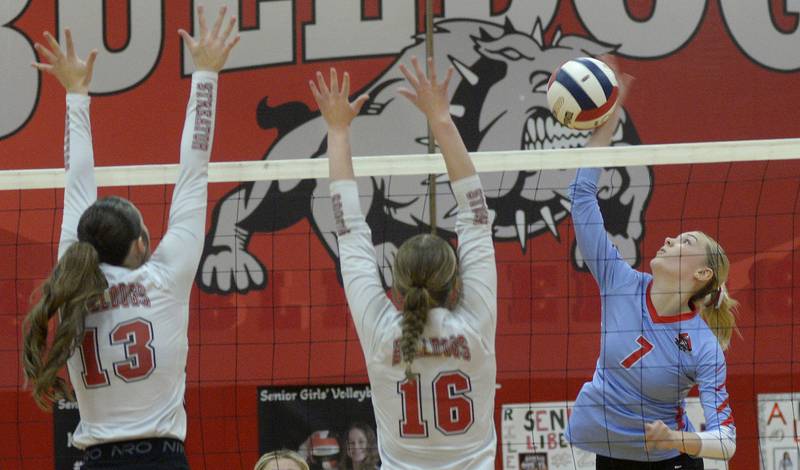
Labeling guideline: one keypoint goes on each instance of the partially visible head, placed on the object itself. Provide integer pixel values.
(323, 450)
(362, 447)
(684, 259)
(425, 274)
(281, 460)
(114, 227)
(699, 267)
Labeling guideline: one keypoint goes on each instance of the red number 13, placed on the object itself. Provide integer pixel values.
(140, 358)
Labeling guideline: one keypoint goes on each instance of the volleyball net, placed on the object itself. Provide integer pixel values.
(274, 360)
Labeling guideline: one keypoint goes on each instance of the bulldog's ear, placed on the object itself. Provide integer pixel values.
(284, 117)
(587, 46)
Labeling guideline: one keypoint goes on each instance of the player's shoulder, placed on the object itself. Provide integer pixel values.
(705, 343)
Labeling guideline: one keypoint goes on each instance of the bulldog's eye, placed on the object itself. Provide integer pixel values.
(510, 54)
(539, 81)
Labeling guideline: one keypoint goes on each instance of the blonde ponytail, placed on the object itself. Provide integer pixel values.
(721, 319)
(718, 308)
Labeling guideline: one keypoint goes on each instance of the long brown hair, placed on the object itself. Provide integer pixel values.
(718, 309)
(425, 276)
(105, 233)
(372, 459)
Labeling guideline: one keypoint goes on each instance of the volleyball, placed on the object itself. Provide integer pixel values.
(582, 93)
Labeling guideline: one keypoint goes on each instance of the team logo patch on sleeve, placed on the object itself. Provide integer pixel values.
(684, 342)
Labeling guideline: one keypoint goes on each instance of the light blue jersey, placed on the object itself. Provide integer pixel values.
(647, 363)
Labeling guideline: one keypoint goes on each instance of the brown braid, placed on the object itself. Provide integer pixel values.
(425, 276)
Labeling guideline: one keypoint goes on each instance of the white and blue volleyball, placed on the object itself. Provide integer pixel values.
(583, 93)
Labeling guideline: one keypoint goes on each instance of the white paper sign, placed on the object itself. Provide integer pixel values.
(778, 428)
(533, 436)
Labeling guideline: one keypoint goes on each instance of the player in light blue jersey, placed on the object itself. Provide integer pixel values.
(661, 334)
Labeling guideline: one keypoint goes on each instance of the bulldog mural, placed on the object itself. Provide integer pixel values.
(498, 103)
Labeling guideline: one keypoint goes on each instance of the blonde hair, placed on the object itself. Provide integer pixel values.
(281, 454)
(425, 276)
(718, 309)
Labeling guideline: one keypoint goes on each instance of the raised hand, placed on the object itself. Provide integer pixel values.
(624, 80)
(334, 102)
(210, 51)
(73, 73)
(602, 136)
(429, 95)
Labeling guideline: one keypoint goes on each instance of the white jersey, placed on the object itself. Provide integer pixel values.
(129, 374)
(444, 419)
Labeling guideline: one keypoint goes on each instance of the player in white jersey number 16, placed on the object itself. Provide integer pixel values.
(431, 361)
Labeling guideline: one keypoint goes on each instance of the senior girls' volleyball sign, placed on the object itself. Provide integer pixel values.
(269, 308)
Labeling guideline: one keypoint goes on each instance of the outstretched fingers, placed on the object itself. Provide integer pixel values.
(70, 44)
(90, 64)
(201, 14)
(411, 79)
(55, 48)
(231, 44)
(323, 87)
(229, 28)
(410, 95)
(431, 70)
(51, 58)
(334, 81)
(314, 91)
(188, 39)
(421, 78)
(218, 22)
(448, 77)
(359, 103)
(42, 67)
(346, 85)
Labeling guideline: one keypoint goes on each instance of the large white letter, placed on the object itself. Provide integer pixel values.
(115, 70)
(750, 23)
(522, 13)
(671, 25)
(340, 30)
(269, 43)
(19, 82)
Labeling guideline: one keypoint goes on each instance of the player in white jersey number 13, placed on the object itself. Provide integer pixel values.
(431, 363)
(121, 314)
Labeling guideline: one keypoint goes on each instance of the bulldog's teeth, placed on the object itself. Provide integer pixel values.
(547, 216)
(522, 228)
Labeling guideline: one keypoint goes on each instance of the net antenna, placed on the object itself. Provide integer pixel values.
(431, 140)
